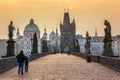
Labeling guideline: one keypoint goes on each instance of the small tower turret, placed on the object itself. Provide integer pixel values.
(18, 33)
(45, 35)
(96, 34)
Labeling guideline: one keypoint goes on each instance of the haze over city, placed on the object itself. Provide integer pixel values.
(89, 14)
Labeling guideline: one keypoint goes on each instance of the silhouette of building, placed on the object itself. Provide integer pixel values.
(54, 42)
(25, 42)
(68, 33)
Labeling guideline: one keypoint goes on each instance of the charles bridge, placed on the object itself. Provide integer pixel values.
(73, 66)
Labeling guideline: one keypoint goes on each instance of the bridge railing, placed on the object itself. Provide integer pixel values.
(111, 62)
(10, 62)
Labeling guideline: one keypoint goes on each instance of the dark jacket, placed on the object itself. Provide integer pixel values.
(26, 59)
(20, 58)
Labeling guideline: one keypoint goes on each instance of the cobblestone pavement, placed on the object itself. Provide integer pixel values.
(62, 67)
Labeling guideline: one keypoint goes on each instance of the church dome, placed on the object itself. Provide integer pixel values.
(31, 27)
(52, 33)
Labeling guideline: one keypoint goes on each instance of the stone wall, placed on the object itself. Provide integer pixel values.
(10, 62)
(111, 62)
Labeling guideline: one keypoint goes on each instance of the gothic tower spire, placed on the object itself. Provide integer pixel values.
(18, 33)
(96, 34)
(66, 18)
(56, 32)
(68, 33)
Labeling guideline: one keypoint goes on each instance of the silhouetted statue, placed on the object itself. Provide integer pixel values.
(35, 44)
(107, 30)
(87, 45)
(10, 42)
(11, 29)
(108, 40)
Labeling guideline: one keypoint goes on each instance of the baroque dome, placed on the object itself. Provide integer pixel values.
(31, 27)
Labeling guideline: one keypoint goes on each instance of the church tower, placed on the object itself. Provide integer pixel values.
(44, 35)
(18, 33)
(68, 33)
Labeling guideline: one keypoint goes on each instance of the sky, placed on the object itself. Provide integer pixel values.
(89, 15)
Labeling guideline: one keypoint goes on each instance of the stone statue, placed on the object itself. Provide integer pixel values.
(10, 42)
(11, 29)
(88, 38)
(87, 45)
(107, 24)
(107, 40)
(107, 30)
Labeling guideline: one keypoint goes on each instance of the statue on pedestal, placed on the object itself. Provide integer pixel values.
(10, 42)
(87, 45)
(108, 40)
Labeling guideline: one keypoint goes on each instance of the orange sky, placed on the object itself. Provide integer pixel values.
(89, 14)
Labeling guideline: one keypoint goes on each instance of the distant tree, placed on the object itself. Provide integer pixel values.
(35, 44)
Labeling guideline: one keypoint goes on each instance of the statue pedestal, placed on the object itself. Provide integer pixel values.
(10, 48)
(108, 53)
(87, 48)
(108, 48)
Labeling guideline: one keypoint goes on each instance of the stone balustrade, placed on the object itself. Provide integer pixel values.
(10, 62)
(111, 62)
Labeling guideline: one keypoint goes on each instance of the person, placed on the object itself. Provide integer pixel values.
(26, 61)
(20, 59)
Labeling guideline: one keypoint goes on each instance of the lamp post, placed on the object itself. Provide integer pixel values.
(31, 45)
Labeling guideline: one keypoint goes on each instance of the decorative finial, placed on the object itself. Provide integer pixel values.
(56, 29)
(45, 28)
(31, 21)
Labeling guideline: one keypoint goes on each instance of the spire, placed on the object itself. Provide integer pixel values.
(73, 20)
(56, 32)
(96, 34)
(18, 33)
(60, 23)
(66, 18)
(45, 31)
(31, 21)
(45, 34)
(45, 28)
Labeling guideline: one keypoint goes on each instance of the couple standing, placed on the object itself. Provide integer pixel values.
(21, 59)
